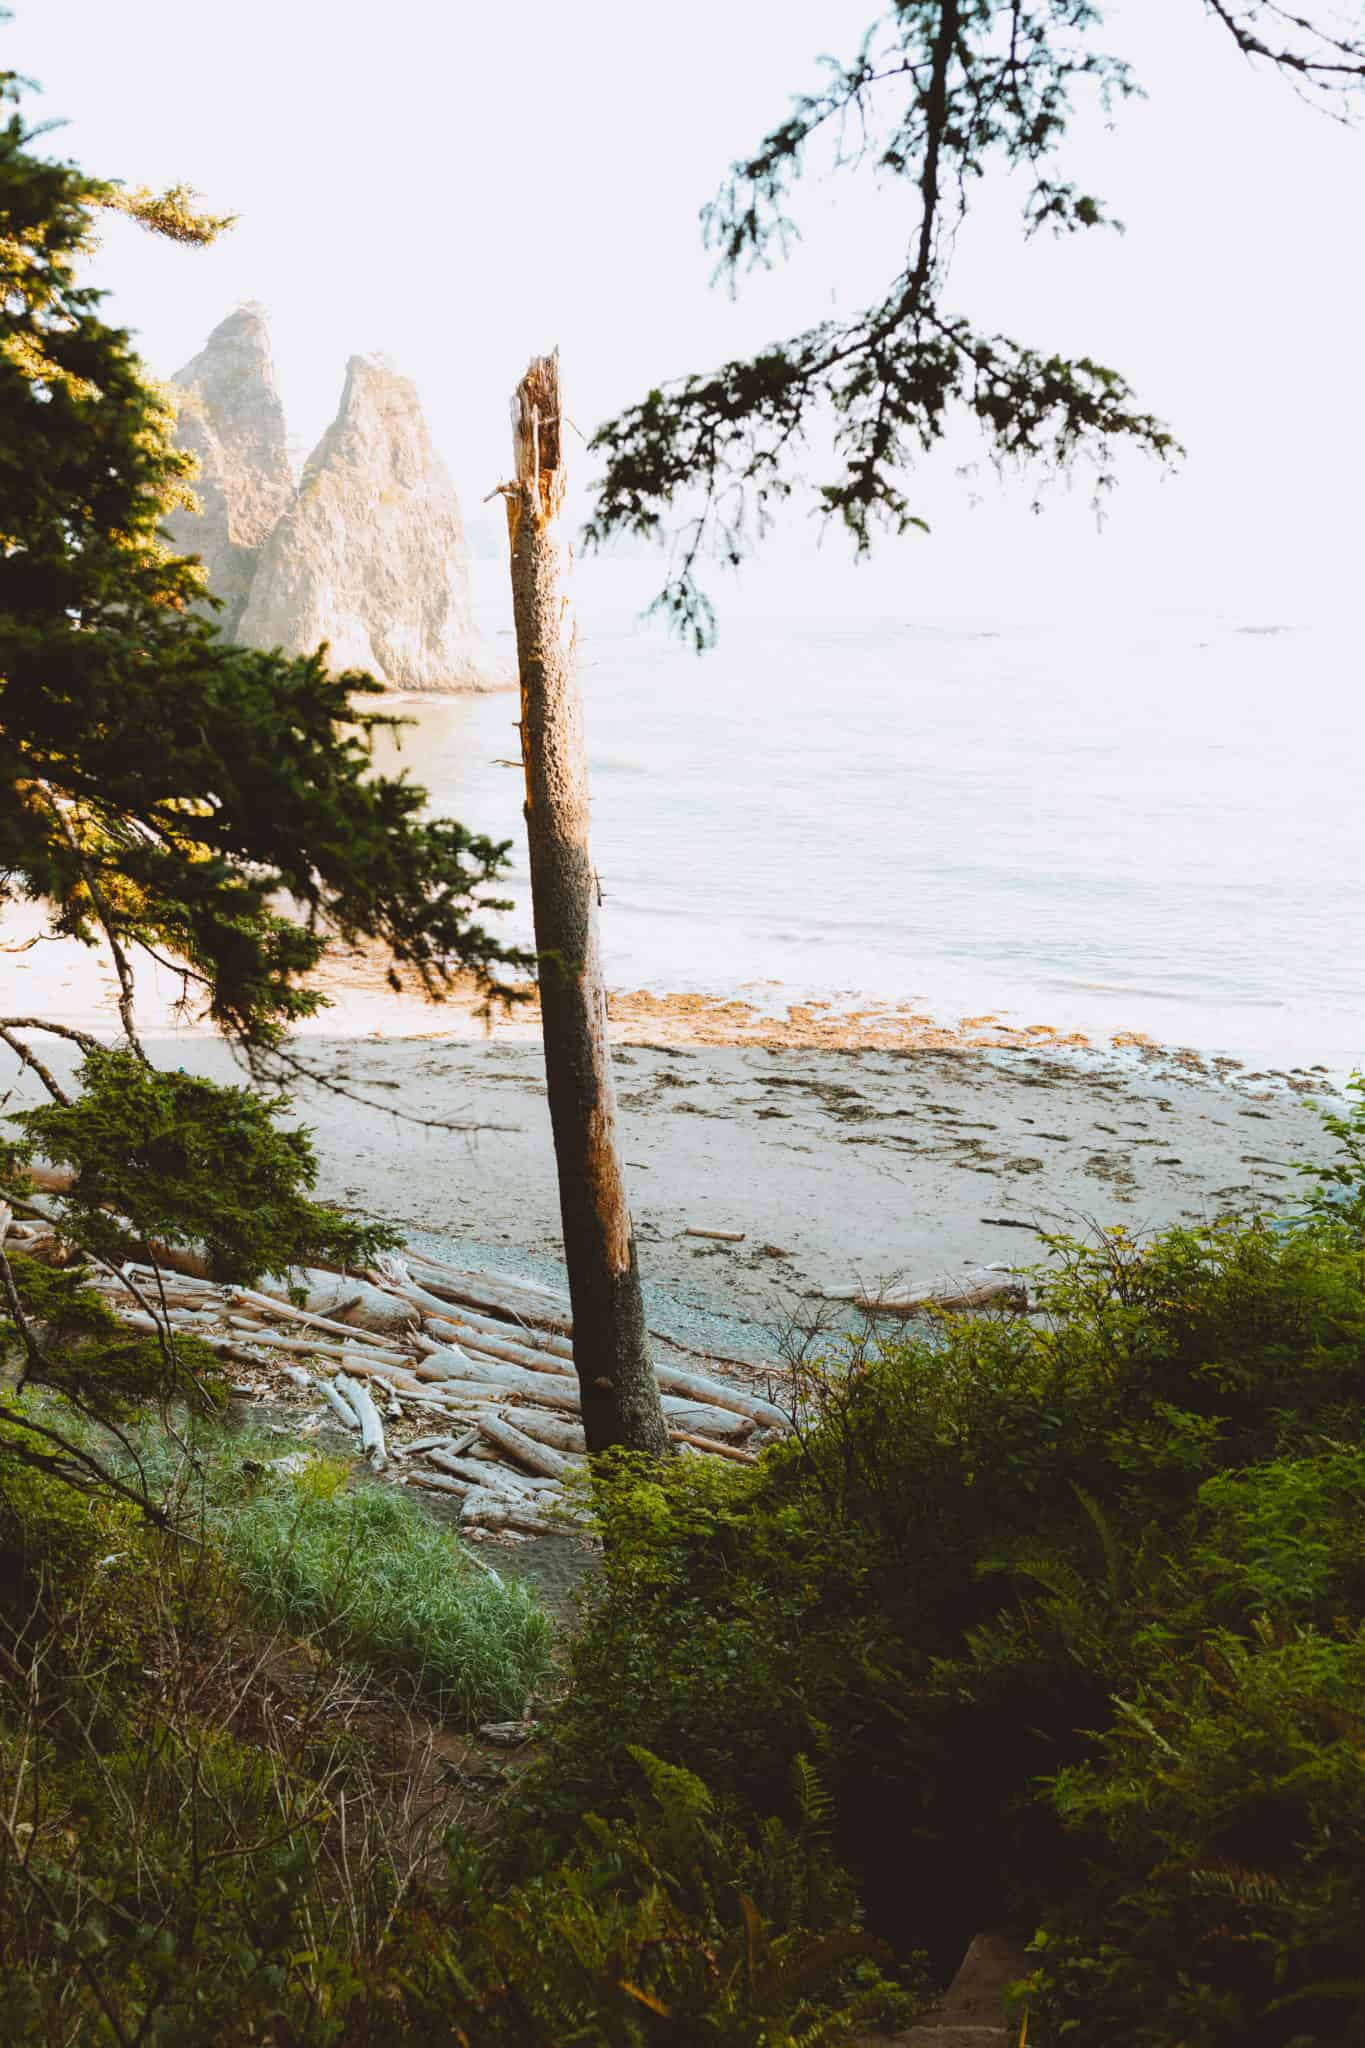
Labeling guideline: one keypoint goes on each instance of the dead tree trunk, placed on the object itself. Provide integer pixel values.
(620, 1399)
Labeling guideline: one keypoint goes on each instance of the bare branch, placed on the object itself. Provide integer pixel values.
(29, 1058)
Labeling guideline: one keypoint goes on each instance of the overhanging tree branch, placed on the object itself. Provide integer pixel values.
(944, 92)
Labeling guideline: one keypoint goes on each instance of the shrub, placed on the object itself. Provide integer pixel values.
(675, 1922)
(197, 1848)
(981, 1562)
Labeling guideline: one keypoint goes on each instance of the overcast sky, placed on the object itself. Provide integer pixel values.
(459, 185)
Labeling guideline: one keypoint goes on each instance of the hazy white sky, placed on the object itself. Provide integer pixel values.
(459, 185)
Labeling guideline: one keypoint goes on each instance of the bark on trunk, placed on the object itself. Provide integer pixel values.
(620, 1400)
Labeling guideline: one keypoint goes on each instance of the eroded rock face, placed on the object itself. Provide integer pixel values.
(370, 557)
(229, 416)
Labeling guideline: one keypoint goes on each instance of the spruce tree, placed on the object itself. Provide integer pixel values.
(167, 796)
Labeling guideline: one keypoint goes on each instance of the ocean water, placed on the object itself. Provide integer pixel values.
(1151, 823)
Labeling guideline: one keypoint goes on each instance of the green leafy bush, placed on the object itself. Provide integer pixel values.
(674, 1922)
(1338, 1190)
(197, 1848)
(981, 1561)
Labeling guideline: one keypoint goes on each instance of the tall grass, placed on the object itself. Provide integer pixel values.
(358, 1565)
(364, 1567)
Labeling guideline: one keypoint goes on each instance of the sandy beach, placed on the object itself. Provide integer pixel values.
(847, 1144)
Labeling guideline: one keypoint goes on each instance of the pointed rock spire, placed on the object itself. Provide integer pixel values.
(229, 416)
(371, 555)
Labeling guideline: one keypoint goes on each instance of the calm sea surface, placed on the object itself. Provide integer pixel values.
(1152, 824)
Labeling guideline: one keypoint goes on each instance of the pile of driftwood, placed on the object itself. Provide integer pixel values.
(480, 1362)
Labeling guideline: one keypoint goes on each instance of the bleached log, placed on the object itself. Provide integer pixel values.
(556, 1296)
(456, 1408)
(371, 1428)
(470, 1321)
(340, 1407)
(183, 1259)
(52, 1180)
(542, 1389)
(498, 1478)
(387, 1375)
(327, 1347)
(721, 1236)
(710, 1445)
(993, 1290)
(558, 1431)
(346, 1299)
(714, 1393)
(408, 1291)
(292, 1313)
(506, 1437)
(457, 1445)
(496, 1347)
(445, 1362)
(696, 1416)
(485, 1509)
(496, 1372)
(439, 1482)
(547, 1390)
(468, 1469)
(477, 1291)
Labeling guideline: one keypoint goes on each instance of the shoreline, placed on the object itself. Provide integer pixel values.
(72, 984)
(881, 1154)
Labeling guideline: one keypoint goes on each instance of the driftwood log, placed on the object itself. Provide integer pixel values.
(338, 1404)
(371, 1428)
(523, 1450)
(952, 1296)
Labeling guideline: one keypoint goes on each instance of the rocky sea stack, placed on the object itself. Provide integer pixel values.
(229, 417)
(367, 554)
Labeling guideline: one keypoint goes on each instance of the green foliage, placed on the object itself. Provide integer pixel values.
(86, 1352)
(990, 1583)
(167, 795)
(359, 1567)
(673, 1923)
(941, 94)
(371, 1574)
(162, 1877)
(1057, 1625)
(185, 1161)
(80, 1373)
(1338, 1193)
(1223, 1822)
(196, 1847)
